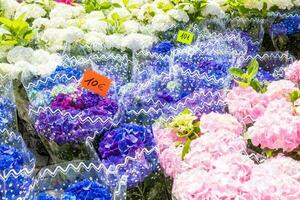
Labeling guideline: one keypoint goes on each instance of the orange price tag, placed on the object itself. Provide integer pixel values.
(95, 82)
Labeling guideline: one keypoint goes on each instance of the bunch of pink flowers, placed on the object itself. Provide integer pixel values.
(217, 167)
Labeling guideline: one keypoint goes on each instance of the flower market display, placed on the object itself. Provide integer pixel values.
(149, 99)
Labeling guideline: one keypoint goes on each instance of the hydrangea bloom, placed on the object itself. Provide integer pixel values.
(214, 122)
(280, 89)
(62, 128)
(7, 113)
(12, 159)
(129, 140)
(292, 73)
(246, 104)
(82, 190)
(277, 131)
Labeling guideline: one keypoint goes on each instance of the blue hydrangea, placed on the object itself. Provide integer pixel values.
(7, 113)
(288, 26)
(164, 47)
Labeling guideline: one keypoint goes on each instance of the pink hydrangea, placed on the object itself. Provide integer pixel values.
(279, 89)
(292, 72)
(274, 179)
(246, 104)
(278, 128)
(216, 144)
(281, 165)
(214, 122)
(225, 181)
(164, 137)
(170, 161)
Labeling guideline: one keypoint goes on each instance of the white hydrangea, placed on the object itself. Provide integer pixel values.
(72, 34)
(179, 15)
(30, 11)
(113, 41)
(95, 40)
(131, 26)
(254, 4)
(9, 7)
(19, 53)
(61, 11)
(297, 2)
(52, 35)
(44, 62)
(213, 8)
(41, 23)
(281, 4)
(137, 41)
(122, 12)
(162, 22)
(11, 70)
(144, 12)
(95, 24)
(57, 22)
(95, 14)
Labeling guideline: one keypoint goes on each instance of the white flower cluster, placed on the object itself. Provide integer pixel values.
(22, 59)
(141, 20)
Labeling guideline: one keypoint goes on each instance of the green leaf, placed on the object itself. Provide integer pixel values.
(236, 72)
(132, 6)
(257, 86)
(7, 22)
(116, 5)
(186, 148)
(115, 16)
(105, 5)
(109, 21)
(125, 2)
(252, 69)
(294, 96)
(242, 84)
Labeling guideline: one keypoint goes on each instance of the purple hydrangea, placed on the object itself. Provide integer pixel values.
(127, 141)
(81, 115)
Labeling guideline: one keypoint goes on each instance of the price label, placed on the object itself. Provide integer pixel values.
(95, 82)
(185, 37)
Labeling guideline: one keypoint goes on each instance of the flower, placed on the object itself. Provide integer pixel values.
(277, 131)
(69, 2)
(214, 122)
(280, 89)
(78, 117)
(88, 190)
(81, 190)
(30, 11)
(178, 15)
(12, 159)
(7, 113)
(292, 72)
(224, 181)
(162, 47)
(246, 104)
(123, 146)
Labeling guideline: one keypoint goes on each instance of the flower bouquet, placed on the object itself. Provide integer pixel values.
(251, 30)
(130, 149)
(149, 63)
(268, 133)
(271, 65)
(65, 115)
(115, 66)
(7, 104)
(284, 32)
(79, 180)
(16, 168)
